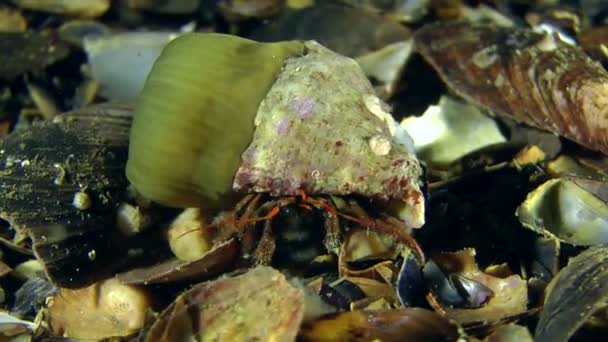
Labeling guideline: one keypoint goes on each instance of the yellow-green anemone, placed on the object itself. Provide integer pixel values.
(194, 116)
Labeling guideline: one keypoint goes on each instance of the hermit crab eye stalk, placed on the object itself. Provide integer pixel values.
(195, 116)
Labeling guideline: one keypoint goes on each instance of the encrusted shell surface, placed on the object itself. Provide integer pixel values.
(321, 130)
(534, 78)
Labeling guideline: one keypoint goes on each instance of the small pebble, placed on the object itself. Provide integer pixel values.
(81, 200)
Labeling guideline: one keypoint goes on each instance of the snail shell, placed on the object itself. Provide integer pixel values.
(220, 114)
(534, 78)
(195, 116)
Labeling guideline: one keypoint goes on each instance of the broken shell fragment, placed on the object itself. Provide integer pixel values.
(510, 333)
(102, 310)
(449, 130)
(573, 210)
(410, 285)
(410, 324)
(13, 328)
(532, 77)
(386, 65)
(221, 258)
(75, 31)
(220, 310)
(32, 295)
(489, 298)
(324, 98)
(166, 164)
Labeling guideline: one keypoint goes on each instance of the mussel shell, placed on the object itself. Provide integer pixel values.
(564, 209)
(341, 294)
(439, 283)
(480, 298)
(29, 52)
(476, 293)
(45, 167)
(534, 78)
(578, 291)
(410, 282)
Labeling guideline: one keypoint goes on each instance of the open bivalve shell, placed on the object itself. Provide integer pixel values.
(571, 209)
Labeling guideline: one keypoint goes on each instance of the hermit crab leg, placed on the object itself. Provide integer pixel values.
(332, 233)
(243, 203)
(248, 202)
(274, 211)
(266, 246)
(399, 232)
(251, 217)
(247, 236)
(244, 220)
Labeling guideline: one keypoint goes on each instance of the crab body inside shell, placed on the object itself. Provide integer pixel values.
(253, 222)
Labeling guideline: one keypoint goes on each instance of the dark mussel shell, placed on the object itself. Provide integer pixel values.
(577, 292)
(532, 77)
(62, 182)
(455, 290)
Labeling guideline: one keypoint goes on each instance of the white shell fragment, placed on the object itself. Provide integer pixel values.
(449, 130)
(121, 63)
(322, 130)
(385, 65)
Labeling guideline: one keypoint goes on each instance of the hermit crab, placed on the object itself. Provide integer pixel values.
(276, 124)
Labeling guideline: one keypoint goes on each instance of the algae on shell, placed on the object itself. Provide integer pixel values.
(321, 130)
